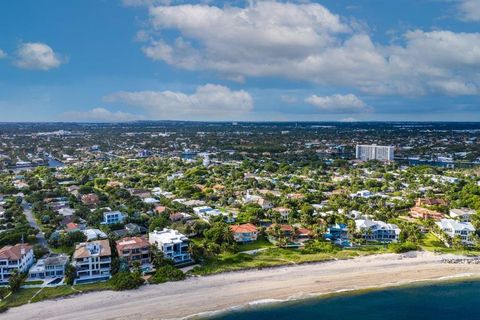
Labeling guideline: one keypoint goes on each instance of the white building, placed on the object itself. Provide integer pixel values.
(206, 213)
(92, 261)
(454, 228)
(199, 211)
(52, 266)
(374, 152)
(112, 217)
(262, 202)
(94, 234)
(362, 194)
(18, 257)
(172, 243)
(377, 230)
(462, 214)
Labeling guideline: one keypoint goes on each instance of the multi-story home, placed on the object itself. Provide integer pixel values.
(18, 257)
(374, 152)
(112, 217)
(262, 202)
(52, 266)
(201, 211)
(92, 261)
(423, 213)
(284, 212)
(462, 214)
(134, 249)
(172, 243)
(244, 232)
(377, 230)
(452, 228)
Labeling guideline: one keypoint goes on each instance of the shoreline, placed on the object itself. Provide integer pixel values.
(201, 297)
(339, 293)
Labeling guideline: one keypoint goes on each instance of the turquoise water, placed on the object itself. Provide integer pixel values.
(454, 300)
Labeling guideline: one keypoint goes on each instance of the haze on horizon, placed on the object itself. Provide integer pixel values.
(332, 60)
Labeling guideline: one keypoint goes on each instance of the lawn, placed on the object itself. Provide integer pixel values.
(33, 282)
(431, 243)
(262, 242)
(271, 257)
(30, 295)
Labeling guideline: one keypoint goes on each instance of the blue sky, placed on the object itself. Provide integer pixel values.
(114, 60)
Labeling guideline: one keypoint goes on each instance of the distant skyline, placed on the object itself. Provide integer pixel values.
(333, 60)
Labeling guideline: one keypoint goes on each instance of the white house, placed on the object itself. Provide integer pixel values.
(462, 214)
(18, 257)
(262, 202)
(377, 230)
(92, 261)
(52, 266)
(112, 217)
(454, 228)
(172, 243)
(94, 234)
(200, 211)
(362, 194)
(206, 213)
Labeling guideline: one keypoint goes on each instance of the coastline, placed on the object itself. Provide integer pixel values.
(340, 293)
(200, 297)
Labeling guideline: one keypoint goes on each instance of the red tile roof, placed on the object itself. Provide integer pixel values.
(243, 228)
(14, 252)
(130, 243)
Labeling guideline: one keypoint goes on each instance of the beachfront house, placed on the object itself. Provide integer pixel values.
(134, 249)
(377, 230)
(337, 232)
(92, 261)
(18, 257)
(452, 228)
(172, 243)
(51, 266)
(244, 232)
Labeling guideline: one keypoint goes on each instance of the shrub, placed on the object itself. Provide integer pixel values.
(402, 247)
(126, 281)
(320, 247)
(167, 273)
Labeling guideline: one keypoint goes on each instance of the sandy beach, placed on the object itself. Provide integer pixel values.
(197, 295)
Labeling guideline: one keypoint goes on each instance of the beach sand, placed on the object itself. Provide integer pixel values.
(197, 295)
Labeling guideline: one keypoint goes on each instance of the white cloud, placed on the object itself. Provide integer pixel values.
(37, 56)
(338, 103)
(3, 54)
(208, 102)
(100, 115)
(469, 10)
(145, 3)
(305, 41)
(348, 119)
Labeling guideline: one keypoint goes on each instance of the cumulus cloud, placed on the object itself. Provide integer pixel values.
(469, 10)
(207, 102)
(338, 103)
(100, 115)
(3, 54)
(37, 56)
(307, 42)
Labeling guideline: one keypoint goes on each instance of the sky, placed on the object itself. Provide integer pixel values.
(332, 60)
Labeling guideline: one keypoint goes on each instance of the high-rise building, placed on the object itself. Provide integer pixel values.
(374, 152)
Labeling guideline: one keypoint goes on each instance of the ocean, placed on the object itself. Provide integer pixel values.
(438, 301)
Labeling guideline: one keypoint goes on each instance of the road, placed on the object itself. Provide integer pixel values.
(33, 223)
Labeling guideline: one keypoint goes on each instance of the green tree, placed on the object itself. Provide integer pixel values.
(15, 280)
